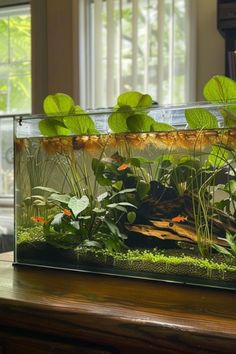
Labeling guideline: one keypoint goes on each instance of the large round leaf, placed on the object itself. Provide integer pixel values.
(220, 89)
(200, 118)
(161, 127)
(134, 99)
(117, 120)
(81, 123)
(51, 127)
(140, 123)
(59, 103)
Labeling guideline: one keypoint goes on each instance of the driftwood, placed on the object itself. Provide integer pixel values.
(168, 230)
(156, 214)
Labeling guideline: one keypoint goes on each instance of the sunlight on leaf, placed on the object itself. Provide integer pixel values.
(200, 118)
(117, 120)
(220, 89)
(80, 124)
(140, 123)
(134, 99)
(52, 127)
(59, 103)
(161, 127)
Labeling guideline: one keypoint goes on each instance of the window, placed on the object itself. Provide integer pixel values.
(15, 98)
(15, 60)
(144, 45)
(15, 85)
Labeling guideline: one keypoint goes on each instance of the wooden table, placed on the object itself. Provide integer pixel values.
(48, 311)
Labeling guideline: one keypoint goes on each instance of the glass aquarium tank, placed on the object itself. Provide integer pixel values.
(138, 190)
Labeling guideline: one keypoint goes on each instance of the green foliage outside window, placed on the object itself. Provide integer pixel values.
(15, 62)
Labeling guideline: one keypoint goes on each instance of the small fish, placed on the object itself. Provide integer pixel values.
(179, 218)
(123, 167)
(67, 212)
(38, 219)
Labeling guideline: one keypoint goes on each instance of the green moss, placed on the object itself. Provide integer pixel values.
(31, 234)
(146, 256)
(160, 258)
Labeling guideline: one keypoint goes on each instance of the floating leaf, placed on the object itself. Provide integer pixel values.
(200, 118)
(81, 123)
(145, 101)
(57, 104)
(155, 127)
(117, 120)
(140, 123)
(220, 89)
(51, 127)
(134, 99)
(77, 205)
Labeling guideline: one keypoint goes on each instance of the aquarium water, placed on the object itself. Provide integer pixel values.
(158, 204)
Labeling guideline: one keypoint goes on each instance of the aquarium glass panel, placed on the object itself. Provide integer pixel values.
(129, 192)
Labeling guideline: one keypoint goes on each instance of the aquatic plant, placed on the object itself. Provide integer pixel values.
(33, 169)
(91, 222)
(231, 250)
(167, 185)
(65, 117)
(131, 114)
(218, 90)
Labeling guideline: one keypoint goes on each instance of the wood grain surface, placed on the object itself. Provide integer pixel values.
(129, 315)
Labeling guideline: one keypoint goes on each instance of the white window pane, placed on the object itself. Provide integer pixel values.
(148, 51)
(15, 60)
(15, 84)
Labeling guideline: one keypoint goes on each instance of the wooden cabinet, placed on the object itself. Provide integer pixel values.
(45, 311)
(27, 344)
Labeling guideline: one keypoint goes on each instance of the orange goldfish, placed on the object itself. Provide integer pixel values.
(38, 219)
(67, 212)
(123, 167)
(179, 218)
